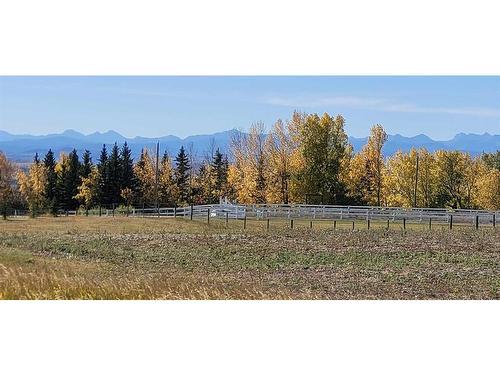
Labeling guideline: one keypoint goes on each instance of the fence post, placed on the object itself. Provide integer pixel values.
(368, 223)
(191, 212)
(310, 224)
(451, 221)
(494, 217)
(208, 216)
(100, 211)
(430, 223)
(404, 223)
(227, 219)
(175, 211)
(245, 221)
(477, 222)
(334, 224)
(388, 221)
(291, 223)
(267, 227)
(353, 225)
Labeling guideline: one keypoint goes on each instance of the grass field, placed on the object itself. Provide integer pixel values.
(150, 258)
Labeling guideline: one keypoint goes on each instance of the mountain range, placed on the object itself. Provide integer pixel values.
(22, 147)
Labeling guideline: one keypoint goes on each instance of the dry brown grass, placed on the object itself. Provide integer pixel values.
(133, 258)
(65, 283)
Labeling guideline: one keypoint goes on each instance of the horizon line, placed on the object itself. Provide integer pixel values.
(62, 133)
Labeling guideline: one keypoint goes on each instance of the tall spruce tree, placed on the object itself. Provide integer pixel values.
(128, 178)
(7, 183)
(182, 168)
(115, 175)
(219, 168)
(103, 184)
(61, 171)
(72, 180)
(68, 180)
(51, 186)
(86, 164)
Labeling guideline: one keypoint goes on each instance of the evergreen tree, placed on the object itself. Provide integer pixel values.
(219, 169)
(86, 164)
(61, 173)
(258, 162)
(51, 183)
(182, 175)
(128, 178)
(72, 181)
(115, 175)
(7, 184)
(103, 179)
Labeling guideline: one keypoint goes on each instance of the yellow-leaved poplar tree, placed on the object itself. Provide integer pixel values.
(279, 148)
(402, 179)
(89, 189)
(368, 171)
(146, 177)
(427, 184)
(488, 194)
(32, 187)
(456, 183)
(250, 172)
(169, 192)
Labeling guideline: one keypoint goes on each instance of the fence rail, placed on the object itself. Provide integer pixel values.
(298, 211)
(317, 212)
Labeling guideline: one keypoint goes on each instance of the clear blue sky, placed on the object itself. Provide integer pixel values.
(155, 106)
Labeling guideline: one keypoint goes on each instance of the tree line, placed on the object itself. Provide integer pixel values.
(306, 159)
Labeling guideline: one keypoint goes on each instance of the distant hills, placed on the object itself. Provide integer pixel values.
(23, 147)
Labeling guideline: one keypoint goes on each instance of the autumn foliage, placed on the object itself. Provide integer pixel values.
(306, 159)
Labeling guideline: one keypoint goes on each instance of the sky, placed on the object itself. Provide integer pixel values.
(150, 106)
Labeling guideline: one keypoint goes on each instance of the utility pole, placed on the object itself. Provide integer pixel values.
(157, 178)
(416, 184)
